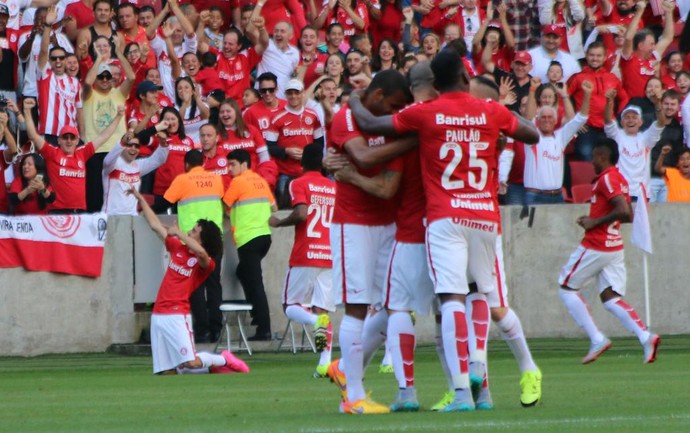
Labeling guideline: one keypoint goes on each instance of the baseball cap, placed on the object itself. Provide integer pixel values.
(4, 10)
(69, 130)
(523, 57)
(294, 84)
(147, 86)
(552, 29)
(634, 108)
(103, 68)
(421, 75)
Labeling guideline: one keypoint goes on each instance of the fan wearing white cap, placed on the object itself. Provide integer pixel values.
(634, 146)
(290, 132)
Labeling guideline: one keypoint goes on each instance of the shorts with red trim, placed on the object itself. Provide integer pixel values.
(408, 286)
(308, 285)
(172, 341)
(608, 268)
(498, 297)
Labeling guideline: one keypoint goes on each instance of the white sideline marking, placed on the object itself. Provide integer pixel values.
(504, 425)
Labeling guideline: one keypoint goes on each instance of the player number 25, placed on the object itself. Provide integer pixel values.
(475, 181)
(321, 212)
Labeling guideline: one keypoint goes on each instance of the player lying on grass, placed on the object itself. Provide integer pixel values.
(172, 339)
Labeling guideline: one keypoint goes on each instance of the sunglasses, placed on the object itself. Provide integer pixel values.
(69, 137)
(105, 77)
(133, 144)
(56, 58)
(267, 90)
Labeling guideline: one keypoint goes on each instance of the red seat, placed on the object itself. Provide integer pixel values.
(149, 200)
(581, 193)
(581, 172)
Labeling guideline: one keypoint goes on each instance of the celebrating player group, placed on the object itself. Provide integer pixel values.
(436, 246)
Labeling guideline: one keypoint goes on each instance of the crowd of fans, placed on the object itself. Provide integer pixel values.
(90, 87)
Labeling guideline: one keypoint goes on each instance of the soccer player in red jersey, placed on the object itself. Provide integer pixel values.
(361, 238)
(600, 256)
(172, 341)
(457, 135)
(308, 278)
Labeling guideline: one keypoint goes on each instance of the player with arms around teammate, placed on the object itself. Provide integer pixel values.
(458, 151)
(309, 271)
(600, 256)
(172, 339)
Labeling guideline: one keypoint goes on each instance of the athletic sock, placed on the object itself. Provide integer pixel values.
(400, 344)
(438, 340)
(454, 329)
(579, 310)
(351, 347)
(477, 326)
(211, 360)
(373, 334)
(628, 317)
(184, 370)
(300, 314)
(326, 354)
(511, 331)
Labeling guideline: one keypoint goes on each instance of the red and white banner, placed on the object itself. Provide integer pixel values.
(68, 244)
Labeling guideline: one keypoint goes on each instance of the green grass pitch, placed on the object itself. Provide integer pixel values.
(112, 393)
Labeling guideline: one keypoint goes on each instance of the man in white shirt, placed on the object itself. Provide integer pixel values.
(549, 51)
(471, 19)
(280, 57)
(122, 171)
(544, 160)
(634, 146)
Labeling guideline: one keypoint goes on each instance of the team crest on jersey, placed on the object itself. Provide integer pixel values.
(80, 164)
(191, 262)
(308, 121)
(348, 21)
(238, 66)
(13, 38)
(183, 351)
(222, 162)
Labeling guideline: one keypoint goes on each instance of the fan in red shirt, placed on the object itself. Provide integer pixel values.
(640, 54)
(178, 145)
(353, 15)
(31, 193)
(261, 114)
(457, 138)
(66, 164)
(215, 158)
(600, 257)
(234, 66)
(312, 63)
(5, 156)
(235, 134)
(172, 342)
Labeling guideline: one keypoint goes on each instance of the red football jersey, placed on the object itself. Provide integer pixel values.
(635, 72)
(236, 72)
(181, 278)
(609, 184)
(174, 165)
(219, 165)
(291, 129)
(409, 217)
(252, 142)
(312, 245)
(457, 143)
(260, 116)
(353, 205)
(67, 175)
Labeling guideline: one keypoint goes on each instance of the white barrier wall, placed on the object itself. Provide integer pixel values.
(48, 313)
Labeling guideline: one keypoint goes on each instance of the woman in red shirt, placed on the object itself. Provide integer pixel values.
(178, 145)
(30, 192)
(235, 134)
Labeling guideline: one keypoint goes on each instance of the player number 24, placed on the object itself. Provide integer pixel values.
(321, 212)
(476, 181)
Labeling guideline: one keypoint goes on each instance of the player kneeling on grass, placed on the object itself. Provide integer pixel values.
(172, 339)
